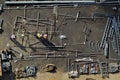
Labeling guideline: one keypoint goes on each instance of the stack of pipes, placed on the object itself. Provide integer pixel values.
(106, 32)
(116, 35)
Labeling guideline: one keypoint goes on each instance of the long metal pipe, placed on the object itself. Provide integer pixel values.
(106, 32)
(62, 3)
(57, 56)
(116, 34)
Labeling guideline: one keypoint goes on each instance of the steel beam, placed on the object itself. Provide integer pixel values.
(62, 3)
(106, 33)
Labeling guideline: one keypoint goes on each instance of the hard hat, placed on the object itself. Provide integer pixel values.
(38, 35)
(45, 35)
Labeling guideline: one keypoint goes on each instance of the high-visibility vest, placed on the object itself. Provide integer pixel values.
(22, 35)
(38, 35)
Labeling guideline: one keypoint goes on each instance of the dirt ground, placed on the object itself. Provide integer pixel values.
(64, 76)
(73, 31)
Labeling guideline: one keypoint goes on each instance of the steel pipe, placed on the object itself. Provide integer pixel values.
(61, 3)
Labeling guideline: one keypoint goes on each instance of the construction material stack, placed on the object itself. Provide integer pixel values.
(104, 69)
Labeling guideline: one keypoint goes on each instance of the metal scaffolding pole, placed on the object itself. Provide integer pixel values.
(62, 3)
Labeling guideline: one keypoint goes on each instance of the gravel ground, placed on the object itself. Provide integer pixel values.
(73, 30)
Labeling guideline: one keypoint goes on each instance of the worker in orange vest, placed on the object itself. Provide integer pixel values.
(45, 36)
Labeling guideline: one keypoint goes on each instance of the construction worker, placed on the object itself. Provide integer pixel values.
(38, 35)
(45, 36)
(23, 36)
(1, 30)
(21, 56)
(13, 37)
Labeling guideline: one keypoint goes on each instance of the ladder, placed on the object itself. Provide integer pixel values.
(104, 69)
